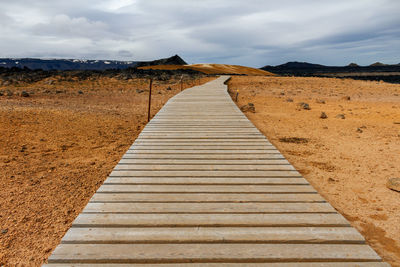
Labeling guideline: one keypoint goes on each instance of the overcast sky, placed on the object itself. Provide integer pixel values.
(251, 32)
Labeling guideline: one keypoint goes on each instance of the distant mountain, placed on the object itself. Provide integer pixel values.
(295, 64)
(378, 64)
(79, 64)
(174, 60)
(309, 69)
(353, 65)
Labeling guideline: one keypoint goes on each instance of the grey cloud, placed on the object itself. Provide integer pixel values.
(255, 32)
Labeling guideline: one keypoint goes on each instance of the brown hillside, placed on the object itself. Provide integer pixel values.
(214, 69)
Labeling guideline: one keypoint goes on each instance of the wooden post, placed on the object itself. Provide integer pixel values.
(149, 110)
(182, 84)
(237, 94)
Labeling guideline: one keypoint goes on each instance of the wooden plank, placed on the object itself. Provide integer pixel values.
(201, 147)
(178, 167)
(208, 207)
(186, 220)
(132, 235)
(200, 140)
(209, 151)
(203, 156)
(236, 173)
(156, 253)
(205, 180)
(203, 197)
(207, 188)
(204, 161)
(252, 264)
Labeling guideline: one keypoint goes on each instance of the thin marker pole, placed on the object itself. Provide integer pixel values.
(237, 94)
(182, 84)
(148, 111)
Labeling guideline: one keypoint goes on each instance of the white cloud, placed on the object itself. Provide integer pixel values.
(255, 32)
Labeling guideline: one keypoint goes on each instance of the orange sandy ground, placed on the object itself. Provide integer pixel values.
(349, 168)
(55, 151)
(214, 69)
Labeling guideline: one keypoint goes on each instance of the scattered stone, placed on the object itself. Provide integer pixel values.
(304, 106)
(49, 82)
(1, 93)
(332, 180)
(23, 148)
(248, 108)
(295, 140)
(394, 184)
(320, 101)
(359, 130)
(282, 93)
(346, 98)
(25, 94)
(59, 92)
(139, 91)
(289, 100)
(4, 231)
(340, 116)
(323, 115)
(169, 88)
(80, 92)
(363, 127)
(9, 93)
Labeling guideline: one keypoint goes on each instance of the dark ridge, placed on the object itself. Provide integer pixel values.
(174, 60)
(77, 64)
(375, 72)
(14, 75)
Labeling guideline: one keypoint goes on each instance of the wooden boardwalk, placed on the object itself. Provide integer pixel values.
(202, 186)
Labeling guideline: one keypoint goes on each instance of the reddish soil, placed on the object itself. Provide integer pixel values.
(214, 69)
(57, 147)
(347, 160)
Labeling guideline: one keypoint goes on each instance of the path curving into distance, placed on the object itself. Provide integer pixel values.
(202, 186)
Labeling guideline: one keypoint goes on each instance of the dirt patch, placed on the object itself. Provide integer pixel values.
(349, 155)
(294, 140)
(57, 147)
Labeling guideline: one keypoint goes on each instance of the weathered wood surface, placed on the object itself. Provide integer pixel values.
(201, 186)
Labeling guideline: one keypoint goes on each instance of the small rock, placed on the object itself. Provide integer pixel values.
(80, 92)
(359, 130)
(340, 116)
(249, 107)
(394, 184)
(320, 101)
(4, 231)
(323, 115)
(282, 93)
(289, 100)
(49, 82)
(9, 93)
(169, 88)
(23, 148)
(294, 140)
(139, 91)
(1, 93)
(59, 92)
(304, 106)
(24, 94)
(346, 98)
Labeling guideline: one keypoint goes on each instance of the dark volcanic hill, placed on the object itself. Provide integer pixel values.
(78, 64)
(307, 69)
